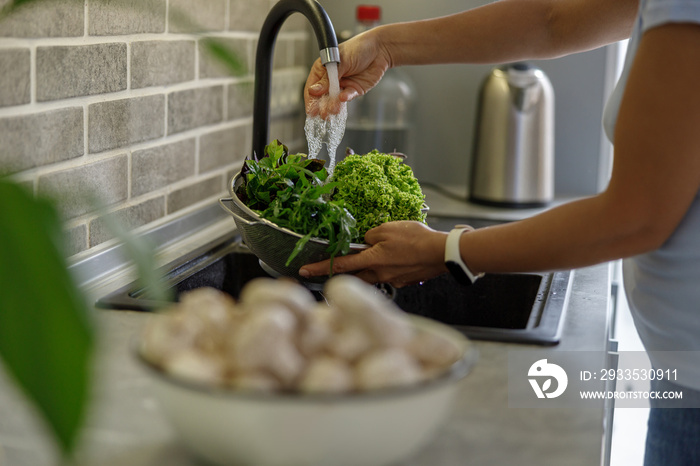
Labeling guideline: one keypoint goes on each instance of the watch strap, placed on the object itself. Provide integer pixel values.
(453, 257)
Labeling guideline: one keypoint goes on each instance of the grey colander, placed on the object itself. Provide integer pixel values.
(273, 244)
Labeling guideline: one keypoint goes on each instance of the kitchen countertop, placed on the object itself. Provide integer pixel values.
(125, 426)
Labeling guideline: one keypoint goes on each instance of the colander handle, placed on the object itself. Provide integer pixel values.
(238, 217)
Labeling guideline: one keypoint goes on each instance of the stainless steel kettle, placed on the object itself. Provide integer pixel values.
(513, 152)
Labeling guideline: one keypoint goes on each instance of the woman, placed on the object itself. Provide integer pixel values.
(649, 213)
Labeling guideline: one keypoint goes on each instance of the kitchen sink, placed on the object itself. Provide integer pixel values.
(522, 308)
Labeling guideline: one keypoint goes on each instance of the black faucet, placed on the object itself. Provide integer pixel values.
(328, 44)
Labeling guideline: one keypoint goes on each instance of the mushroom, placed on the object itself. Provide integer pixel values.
(387, 324)
(278, 337)
(254, 381)
(209, 304)
(289, 293)
(351, 342)
(433, 349)
(316, 332)
(168, 333)
(194, 365)
(388, 367)
(264, 341)
(327, 374)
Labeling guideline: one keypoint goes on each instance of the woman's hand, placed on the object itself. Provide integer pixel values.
(363, 61)
(402, 253)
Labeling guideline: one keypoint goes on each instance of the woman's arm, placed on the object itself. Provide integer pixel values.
(656, 172)
(503, 31)
(510, 30)
(656, 176)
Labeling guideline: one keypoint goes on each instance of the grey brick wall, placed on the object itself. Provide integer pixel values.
(14, 79)
(158, 63)
(118, 103)
(73, 71)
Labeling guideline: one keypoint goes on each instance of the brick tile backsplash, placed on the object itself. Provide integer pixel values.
(194, 108)
(35, 140)
(197, 15)
(76, 239)
(161, 166)
(120, 101)
(126, 17)
(78, 189)
(158, 63)
(129, 217)
(224, 147)
(72, 71)
(118, 123)
(15, 76)
(184, 197)
(240, 100)
(248, 15)
(211, 67)
(60, 18)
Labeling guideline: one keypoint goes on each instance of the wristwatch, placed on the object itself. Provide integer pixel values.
(453, 258)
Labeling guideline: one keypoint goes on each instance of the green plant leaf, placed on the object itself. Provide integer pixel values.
(225, 56)
(46, 338)
(13, 5)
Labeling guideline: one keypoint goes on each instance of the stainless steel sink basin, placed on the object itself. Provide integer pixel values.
(523, 308)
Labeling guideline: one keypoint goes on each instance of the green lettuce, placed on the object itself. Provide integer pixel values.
(377, 188)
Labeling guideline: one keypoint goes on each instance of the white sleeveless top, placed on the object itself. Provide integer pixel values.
(663, 286)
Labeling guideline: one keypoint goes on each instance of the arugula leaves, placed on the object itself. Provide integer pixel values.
(289, 190)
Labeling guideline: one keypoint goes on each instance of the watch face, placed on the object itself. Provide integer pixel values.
(458, 273)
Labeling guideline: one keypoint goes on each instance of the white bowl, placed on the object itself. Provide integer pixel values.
(379, 427)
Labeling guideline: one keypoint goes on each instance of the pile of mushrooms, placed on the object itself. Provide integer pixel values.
(278, 337)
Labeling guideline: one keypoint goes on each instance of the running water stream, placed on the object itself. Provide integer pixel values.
(330, 131)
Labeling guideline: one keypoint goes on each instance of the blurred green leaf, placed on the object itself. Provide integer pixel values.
(13, 5)
(142, 253)
(46, 338)
(225, 56)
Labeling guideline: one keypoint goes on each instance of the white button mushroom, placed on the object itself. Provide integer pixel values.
(433, 349)
(278, 337)
(388, 324)
(384, 368)
(254, 381)
(316, 331)
(263, 341)
(281, 291)
(210, 304)
(326, 374)
(351, 342)
(193, 365)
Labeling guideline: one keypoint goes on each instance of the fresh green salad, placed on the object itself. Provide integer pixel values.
(377, 188)
(294, 192)
(289, 190)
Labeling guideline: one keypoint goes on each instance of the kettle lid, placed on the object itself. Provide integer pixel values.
(522, 74)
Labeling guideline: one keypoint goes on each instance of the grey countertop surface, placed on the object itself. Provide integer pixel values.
(125, 426)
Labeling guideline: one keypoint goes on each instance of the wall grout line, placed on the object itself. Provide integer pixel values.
(45, 106)
(86, 21)
(86, 131)
(166, 29)
(225, 141)
(227, 16)
(86, 40)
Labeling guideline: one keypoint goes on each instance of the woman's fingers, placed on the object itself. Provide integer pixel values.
(344, 264)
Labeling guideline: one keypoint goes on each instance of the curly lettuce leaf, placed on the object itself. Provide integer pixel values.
(378, 188)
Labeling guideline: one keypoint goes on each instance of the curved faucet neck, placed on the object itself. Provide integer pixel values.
(328, 44)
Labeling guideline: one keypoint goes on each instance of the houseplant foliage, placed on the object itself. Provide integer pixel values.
(46, 337)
